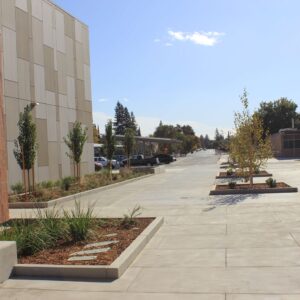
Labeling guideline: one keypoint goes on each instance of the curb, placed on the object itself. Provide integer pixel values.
(51, 203)
(112, 272)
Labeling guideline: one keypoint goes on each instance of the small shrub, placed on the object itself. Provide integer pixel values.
(128, 219)
(79, 222)
(66, 183)
(47, 184)
(17, 188)
(232, 185)
(229, 172)
(271, 182)
(257, 170)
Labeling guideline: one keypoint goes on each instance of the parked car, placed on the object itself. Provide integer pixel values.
(119, 159)
(105, 162)
(140, 160)
(165, 158)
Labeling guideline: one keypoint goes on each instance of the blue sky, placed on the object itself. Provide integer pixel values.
(187, 61)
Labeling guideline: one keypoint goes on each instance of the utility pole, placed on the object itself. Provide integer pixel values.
(4, 211)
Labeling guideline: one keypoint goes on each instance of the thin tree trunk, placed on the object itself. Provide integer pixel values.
(33, 179)
(28, 176)
(110, 170)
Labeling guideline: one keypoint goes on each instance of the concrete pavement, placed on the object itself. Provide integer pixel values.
(210, 247)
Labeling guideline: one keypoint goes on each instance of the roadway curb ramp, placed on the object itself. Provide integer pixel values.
(8, 252)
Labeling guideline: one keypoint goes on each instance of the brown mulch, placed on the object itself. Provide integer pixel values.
(234, 174)
(247, 186)
(61, 254)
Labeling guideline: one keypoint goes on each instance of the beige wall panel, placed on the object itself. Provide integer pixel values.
(41, 111)
(65, 161)
(62, 73)
(10, 89)
(50, 98)
(64, 124)
(88, 106)
(55, 49)
(86, 45)
(63, 101)
(43, 173)
(91, 165)
(69, 26)
(49, 57)
(78, 31)
(84, 168)
(60, 31)
(37, 39)
(47, 24)
(24, 79)
(53, 160)
(12, 118)
(71, 92)
(79, 61)
(80, 94)
(51, 123)
(39, 79)
(37, 11)
(14, 171)
(87, 83)
(42, 138)
(22, 104)
(72, 116)
(9, 54)
(22, 4)
(22, 29)
(70, 57)
(8, 14)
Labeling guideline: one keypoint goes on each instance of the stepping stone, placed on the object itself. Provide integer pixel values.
(111, 235)
(82, 258)
(87, 252)
(100, 244)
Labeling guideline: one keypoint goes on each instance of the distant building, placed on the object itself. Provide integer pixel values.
(286, 143)
(46, 60)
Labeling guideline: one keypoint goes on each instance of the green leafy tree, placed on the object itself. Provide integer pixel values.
(26, 144)
(276, 115)
(129, 142)
(248, 147)
(75, 141)
(110, 144)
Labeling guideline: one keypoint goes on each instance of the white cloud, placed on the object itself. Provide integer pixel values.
(168, 44)
(149, 124)
(103, 100)
(156, 40)
(199, 38)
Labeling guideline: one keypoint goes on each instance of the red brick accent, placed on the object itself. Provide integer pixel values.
(4, 212)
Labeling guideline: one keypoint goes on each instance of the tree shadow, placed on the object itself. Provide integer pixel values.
(232, 199)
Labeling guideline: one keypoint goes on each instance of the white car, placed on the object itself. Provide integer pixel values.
(104, 162)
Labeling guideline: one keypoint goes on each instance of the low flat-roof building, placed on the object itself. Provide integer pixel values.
(286, 143)
(46, 60)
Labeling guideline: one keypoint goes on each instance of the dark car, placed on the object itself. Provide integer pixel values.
(139, 160)
(164, 158)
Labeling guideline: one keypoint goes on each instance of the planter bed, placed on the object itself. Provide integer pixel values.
(223, 175)
(258, 188)
(124, 245)
(226, 166)
(72, 195)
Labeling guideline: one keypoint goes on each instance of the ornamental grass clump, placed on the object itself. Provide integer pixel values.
(79, 222)
(271, 182)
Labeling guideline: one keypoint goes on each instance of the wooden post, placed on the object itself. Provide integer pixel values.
(4, 212)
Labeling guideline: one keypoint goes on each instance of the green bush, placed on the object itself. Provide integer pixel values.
(257, 170)
(232, 185)
(47, 184)
(79, 222)
(17, 188)
(271, 182)
(229, 172)
(66, 183)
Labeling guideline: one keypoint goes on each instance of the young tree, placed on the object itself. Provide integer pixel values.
(119, 123)
(248, 147)
(26, 144)
(96, 134)
(110, 144)
(129, 142)
(75, 141)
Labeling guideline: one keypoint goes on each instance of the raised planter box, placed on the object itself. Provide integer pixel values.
(223, 175)
(8, 258)
(78, 196)
(225, 190)
(75, 272)
(149, 169)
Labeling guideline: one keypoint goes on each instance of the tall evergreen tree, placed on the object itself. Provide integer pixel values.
(119, 123)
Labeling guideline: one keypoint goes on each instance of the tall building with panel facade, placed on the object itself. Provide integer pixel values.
(46, 61)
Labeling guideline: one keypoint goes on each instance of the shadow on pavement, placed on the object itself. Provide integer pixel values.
(232, 199)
